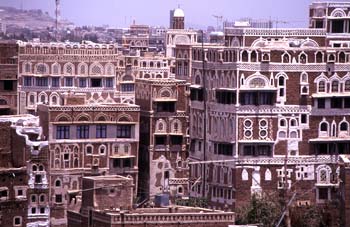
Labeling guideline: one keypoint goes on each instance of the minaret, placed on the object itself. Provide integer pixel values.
(58, 15)
(177, 19)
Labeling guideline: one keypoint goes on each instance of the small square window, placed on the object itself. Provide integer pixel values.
(17, 221)
(323, 194)
(19, 192)
(58, 198)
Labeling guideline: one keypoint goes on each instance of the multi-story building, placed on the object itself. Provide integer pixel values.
(164, 132)
(8, 78)
(87, 140)
(24, 186)
(137, 38)
(270, 110)
(107, 201)
(49, 72)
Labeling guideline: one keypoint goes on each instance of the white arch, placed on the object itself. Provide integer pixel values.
(338, 13)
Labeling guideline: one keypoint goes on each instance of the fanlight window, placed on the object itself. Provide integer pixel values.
(257, 82)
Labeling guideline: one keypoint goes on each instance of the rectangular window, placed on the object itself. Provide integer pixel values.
(257, 150)
(319, 24)
(127, 162)
(123, 131)
(27, 81)
(82, 131)
(176, 140)
(82, 82)
(41, 81)
(58, 198)
(18, 221)
(346, 102)
(323, 194)
(55, 82)
(321, 103)
(69, 82)
(101, 131)
(38, 179)
(3, 194)
(225, 97)
(96, 82)
(62, 132)
(257, 98)
(8, 85)
(19, 192)
(223, 149)
(303, 119)
(196, 94)
(109, 82)
(117, 163)
(160, 140)
(33, 210)
(165, 107)
(42, 210)
(336, 103)
(127, 87)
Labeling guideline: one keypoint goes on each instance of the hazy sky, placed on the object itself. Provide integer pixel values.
(156, 12)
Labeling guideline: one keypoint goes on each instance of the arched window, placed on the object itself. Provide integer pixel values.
(244, 56)
(293, 122)
(335, 86)
(324, 127)
(58, 183)
(343, 126)
(302, 58)
(27, 68)
(319, 57)
(347, 85)
(322, 86)
(281, 81)
(253, 57)
(283, 123)
(304, 78)
(34, 168)
(342, 57)
(42, 198)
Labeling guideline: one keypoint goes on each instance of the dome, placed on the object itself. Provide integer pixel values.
(179, 13)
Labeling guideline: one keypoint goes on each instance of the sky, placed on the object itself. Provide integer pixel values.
(121, 13)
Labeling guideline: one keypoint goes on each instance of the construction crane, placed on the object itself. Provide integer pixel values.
(218, 21)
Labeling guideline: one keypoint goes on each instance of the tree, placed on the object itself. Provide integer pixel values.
(264, 210)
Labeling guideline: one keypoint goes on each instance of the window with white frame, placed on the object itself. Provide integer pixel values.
(17, 221)
(323, 129)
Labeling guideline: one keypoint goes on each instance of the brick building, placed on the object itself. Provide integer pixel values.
(24, 186)
(271, 106)
(87, 140)
(164, 133)
(8, 77)
(102, 206)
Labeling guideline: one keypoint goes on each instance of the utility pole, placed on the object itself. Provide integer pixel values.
(205, 117)
(285, 193)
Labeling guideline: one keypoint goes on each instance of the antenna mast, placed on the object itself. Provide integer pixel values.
(58, 15)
